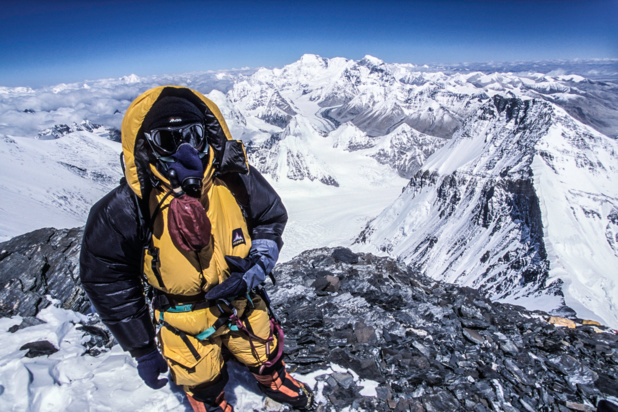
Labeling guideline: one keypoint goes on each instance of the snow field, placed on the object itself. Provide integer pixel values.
(54, 182)
(72, 381)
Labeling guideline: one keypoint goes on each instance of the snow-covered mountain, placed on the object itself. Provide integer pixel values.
(488, 210)
(521, 202)
(507, 173)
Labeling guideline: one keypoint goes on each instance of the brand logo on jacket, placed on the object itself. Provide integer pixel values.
(238, 238)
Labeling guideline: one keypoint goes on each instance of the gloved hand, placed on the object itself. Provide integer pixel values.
(149, 367)
(249, 272)
(262, 257)
(230, 288)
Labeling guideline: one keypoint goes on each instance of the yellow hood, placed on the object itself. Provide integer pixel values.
(228, 154)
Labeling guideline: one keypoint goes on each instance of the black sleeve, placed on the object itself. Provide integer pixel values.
(110, 269)
(266, 216)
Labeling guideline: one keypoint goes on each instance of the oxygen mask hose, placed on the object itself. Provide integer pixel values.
(172, 175)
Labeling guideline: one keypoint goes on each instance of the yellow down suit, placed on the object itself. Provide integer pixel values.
(127, 241)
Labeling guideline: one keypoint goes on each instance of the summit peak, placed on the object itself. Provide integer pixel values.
(369, 60)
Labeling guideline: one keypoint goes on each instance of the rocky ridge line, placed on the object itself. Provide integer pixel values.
(434, 346)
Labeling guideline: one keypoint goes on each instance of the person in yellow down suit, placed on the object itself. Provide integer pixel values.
(193, 230)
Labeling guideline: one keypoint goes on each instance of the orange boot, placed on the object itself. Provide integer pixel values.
(279, 385)
(220, 406)
(210, 396)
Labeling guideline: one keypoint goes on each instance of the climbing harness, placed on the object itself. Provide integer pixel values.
(165, 303)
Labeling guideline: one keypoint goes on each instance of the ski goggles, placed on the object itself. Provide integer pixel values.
(166, 140)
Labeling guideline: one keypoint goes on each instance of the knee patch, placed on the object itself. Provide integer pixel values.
(191, 361)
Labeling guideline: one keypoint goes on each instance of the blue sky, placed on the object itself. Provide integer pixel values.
(48, 42)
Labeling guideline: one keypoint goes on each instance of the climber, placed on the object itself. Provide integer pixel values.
(194, 231)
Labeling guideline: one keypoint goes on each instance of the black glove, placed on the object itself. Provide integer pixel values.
(149, 367)
(260, 262)
(230, 288)
(246, 273)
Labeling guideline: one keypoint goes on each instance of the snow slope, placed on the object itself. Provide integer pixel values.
(575, 175)
(53, 182)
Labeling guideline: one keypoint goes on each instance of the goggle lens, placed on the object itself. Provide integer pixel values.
(166, 140)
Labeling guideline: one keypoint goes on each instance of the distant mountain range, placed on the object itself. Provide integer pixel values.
(508, 174)
(513, 176)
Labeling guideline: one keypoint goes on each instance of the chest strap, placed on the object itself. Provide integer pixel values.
(152, 249)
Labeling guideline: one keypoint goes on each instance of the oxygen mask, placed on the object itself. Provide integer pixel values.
(180, 151)
(187, 170)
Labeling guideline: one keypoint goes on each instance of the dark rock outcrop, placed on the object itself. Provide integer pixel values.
(39, 348)
(433, 346)
(40, 264)
(59, 130)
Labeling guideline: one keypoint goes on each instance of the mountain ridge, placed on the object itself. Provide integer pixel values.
(494, 191)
